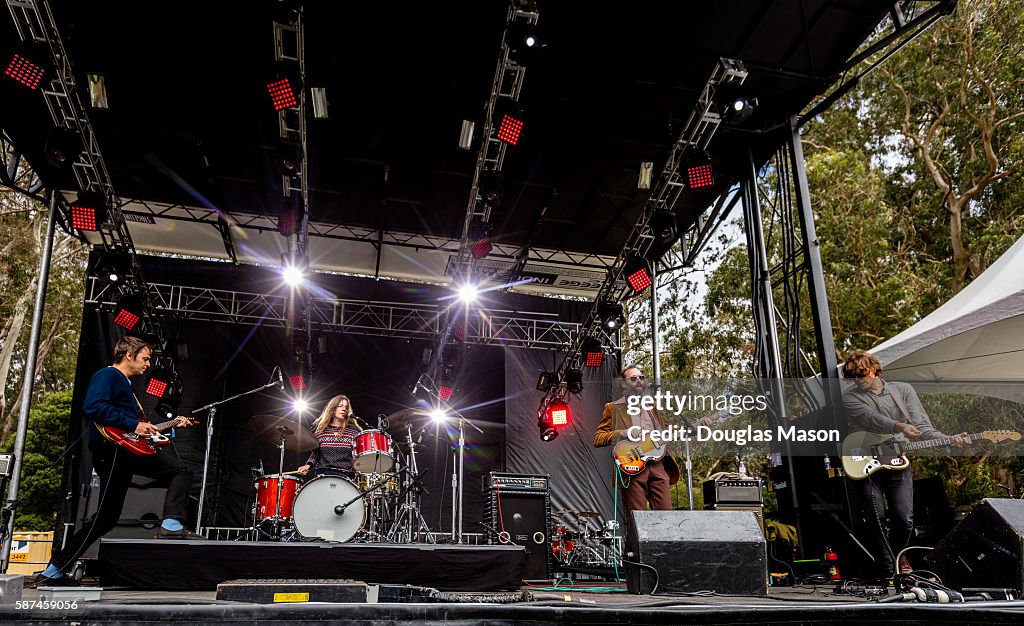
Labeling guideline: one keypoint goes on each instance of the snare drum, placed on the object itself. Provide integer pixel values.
(365, 481)
(266, 496)
(315, 514)
(372, 452)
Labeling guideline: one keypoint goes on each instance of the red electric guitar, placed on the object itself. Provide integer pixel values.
(140, 444)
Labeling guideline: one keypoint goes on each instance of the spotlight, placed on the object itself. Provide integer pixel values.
(438, 416)
(466, 135)
(460, 331)
(24, 71)
(319, 98)
(88, 211)
(739, 110)
(286, 222)
(638, 274)
(129, 311)
(481, 248)
(546, 381)
(62, 148)
(547, 433)
(509, 128)
(646, 170)
(444, 392)
(665, 231)
(297, 382)
(114, 267)
(468, 293)
(282, 94)
(698, 172)
(558, 413)
(574, 381)
(159, 380)
(489, 189)
(293, 269)
(300, 406)
(612, 316)
(287, 158)
(593, 352)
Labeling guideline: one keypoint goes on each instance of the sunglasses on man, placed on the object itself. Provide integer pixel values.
(633, 379)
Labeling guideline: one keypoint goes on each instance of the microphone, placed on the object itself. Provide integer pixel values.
(280, 379)
(419, 383)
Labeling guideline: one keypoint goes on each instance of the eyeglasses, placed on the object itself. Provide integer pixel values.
(633, 379)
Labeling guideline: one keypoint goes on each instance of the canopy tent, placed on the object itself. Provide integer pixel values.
(974, 342)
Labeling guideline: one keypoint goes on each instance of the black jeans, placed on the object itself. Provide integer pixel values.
(115, 467)
(897, 489)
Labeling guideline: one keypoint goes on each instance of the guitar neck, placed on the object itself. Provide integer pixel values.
(165, 425)
(935, 443)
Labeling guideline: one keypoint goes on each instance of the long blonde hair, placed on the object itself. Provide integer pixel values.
(328, 413)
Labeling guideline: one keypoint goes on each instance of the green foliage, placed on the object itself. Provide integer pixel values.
(42, 465)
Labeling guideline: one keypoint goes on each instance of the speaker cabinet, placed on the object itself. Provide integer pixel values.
(720, 551)
(526, 518)
(758, 510)
(984, 550)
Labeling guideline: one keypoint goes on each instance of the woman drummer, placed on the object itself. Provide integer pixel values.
(335, 430)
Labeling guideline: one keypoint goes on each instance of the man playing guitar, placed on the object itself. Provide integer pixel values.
(652, 484)
(109, 402)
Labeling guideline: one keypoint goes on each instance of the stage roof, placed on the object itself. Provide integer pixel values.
(190, 134)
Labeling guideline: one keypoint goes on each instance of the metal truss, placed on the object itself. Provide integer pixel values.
(17, 174)
(385, 319)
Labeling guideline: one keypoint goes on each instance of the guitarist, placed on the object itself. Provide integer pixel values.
(652, 484)
(109, 401)
(877, 406)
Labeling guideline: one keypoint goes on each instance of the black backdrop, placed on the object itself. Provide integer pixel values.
(377, 373)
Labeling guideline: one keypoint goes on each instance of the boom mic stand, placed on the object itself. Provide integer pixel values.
(212, 408)
(457, 476)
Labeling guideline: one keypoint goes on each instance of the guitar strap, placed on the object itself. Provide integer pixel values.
(897, 396)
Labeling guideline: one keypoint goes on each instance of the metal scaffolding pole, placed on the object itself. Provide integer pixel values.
(27, 384)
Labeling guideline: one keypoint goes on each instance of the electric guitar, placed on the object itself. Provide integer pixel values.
(140, 444)
(865, 453)
(633, 456)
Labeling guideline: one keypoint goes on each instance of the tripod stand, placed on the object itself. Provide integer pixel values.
(409, 521)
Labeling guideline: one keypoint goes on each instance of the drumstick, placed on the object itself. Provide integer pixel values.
(292, 472)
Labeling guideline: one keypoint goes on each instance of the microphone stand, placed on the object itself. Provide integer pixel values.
(458, 480)
(212, 408)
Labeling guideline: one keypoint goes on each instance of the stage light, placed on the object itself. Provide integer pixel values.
(293, 276)
(24, 71)
(460, 331)
(129, 311)
(574, 380)
(646, 170)
(300, 406)
(97, 91)
(468, 293)
(282, 94)
(509, 129)
(286, 222)
(739, 110)
(444, 392)
(88, 211)
(159, 380)
(438, 416)
(166, 410)
(481, 248)
(297, 382)
(546, 381)
(62, 148)
(547, 432)
(558, 413)
(319, 98)
(489, 189)
(698, 172)
(593, 352)
(612, 316)
(638, 274)
(665, 231)
(114, 267)
(293, 269)
(466, 135)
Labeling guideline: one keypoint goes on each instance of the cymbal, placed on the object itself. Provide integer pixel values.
(270, 428)
(588, 514)
(412, 415)
(563, 512)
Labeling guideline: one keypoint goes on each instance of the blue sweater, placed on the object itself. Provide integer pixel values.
(109, 401)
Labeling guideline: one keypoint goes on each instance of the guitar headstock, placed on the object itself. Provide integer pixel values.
(996, 436)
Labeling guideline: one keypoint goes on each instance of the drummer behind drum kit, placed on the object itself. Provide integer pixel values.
(380, 503)
(590, 545)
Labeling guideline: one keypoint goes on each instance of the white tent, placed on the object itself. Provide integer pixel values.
(974, 342)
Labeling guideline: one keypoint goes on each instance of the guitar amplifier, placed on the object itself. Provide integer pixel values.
(733, 491)
(518, 482)
(518, 508)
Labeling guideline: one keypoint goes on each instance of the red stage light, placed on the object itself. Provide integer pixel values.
(156, 387)
(83, 218)
(282, 96)
(558, 413)
(593, 352)
(297, 382)
(444, 392)
(509, 129)
(699, 176)
(638, 275)
(482, 248)
(460, 331)
(126, 319)
(24, 71)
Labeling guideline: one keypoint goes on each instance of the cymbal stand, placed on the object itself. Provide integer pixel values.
(409, 521)
(212, 408)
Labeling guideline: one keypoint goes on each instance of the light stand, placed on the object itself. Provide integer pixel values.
(212, 408)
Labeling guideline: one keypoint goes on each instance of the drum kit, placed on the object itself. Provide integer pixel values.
(378, 502)
(588, 544)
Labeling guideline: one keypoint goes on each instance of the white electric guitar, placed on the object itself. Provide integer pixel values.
(865, 453)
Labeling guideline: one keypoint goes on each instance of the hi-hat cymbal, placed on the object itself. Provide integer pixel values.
(271, 428)
(588, 514)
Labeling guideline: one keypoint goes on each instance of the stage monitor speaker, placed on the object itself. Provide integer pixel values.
(525, 516)
(691, 551)
(985, 549)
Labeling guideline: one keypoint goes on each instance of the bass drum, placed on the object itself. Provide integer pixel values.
(314, 509)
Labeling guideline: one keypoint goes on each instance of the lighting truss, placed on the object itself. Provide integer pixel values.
(385, 319)
(16, 173)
